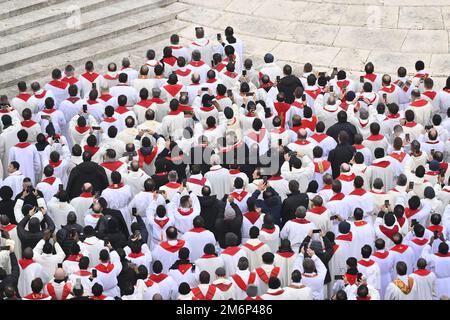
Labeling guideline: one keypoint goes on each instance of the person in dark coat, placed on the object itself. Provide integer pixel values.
(342, 125)
(294, 200)
(29, 195)
(343, 153)
(324, 253)
(30, 238)
(160, 177)
(128, 275)
(201, 154)
(229, 220)
(10, 280)
(7, 204)
(211, 208)
(70, 233)
(174, 160)
(112, 222)
(87, 171)
(288, 84)
(271, 203)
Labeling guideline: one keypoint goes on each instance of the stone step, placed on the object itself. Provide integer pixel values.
(99, 50)
(49, 14)
(135, 54)
(96, 17)
(88, 37)
(13, 8)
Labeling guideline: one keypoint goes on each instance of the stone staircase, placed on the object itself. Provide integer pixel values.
(38, 36)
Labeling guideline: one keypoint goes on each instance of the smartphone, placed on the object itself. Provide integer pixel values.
(94, 86)
(401, 84)
(386, 203)
(280, 142)
(105, 243)
(316, 231)
(230, 93)
(304, 97)
(44, 117)
(84, 108)
(385, 96)
(413, 222)
(94, 273)
(432, 151)
(339, 277)
(184, 183)
(133, 211)
(407, 137)
(278, 78)
(4, 248)
(60, 187)
(361, 79)
(97, 194)
(331, 89)
(333, 217)
(184, 93)
(265, 180)
(335, 69)
(60, 265)
(205, 89)
(358, 276)
(411, 185)
(96, 128)
(212, 63)
(244, 72)
(249, 94)
(436, 234)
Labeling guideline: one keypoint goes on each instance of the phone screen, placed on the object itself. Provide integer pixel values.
(361, 79)
(411, 185)
(219, 36)
(244, 72)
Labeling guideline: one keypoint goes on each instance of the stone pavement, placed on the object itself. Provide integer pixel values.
(329, 33)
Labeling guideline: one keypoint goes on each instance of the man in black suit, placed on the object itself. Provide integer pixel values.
(10, 280)
(87, 171)
(294, 200)
(343, 153)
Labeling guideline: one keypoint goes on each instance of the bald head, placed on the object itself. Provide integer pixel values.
(195, 78)
(60, 274)
(87, 187)
(345, 167)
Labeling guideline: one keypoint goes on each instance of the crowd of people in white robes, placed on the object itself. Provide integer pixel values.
(195, 175)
